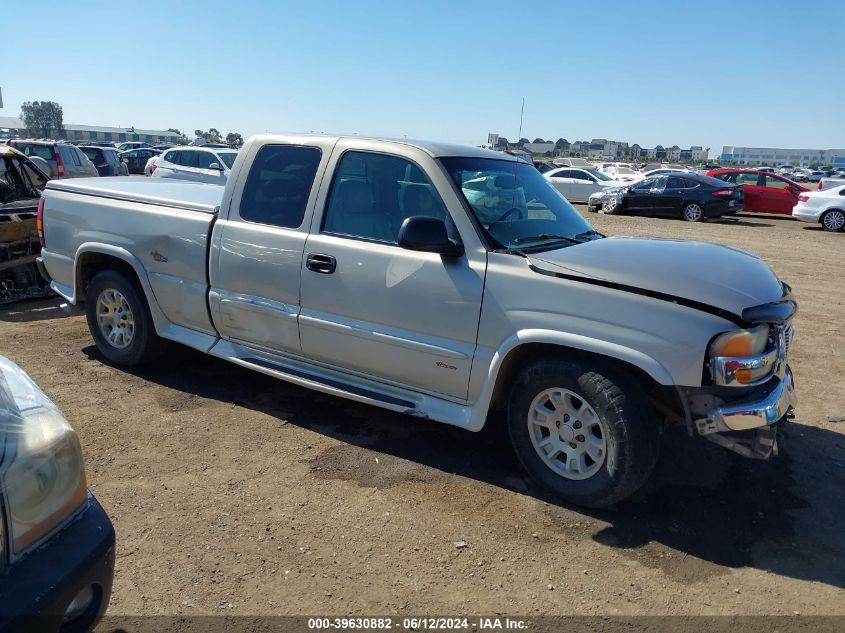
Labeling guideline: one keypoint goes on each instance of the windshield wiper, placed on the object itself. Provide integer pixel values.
(547, 236)
(589, 233)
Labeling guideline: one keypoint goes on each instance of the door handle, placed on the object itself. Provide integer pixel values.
(319, 263)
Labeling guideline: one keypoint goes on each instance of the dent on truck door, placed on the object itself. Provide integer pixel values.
(372, 307)
(255, 271)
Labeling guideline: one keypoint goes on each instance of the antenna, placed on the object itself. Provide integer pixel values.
(521, 112)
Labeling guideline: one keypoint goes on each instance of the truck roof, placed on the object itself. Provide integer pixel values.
(435, 149)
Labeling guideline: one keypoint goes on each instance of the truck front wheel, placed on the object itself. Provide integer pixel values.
(119, 320)
(586, 433)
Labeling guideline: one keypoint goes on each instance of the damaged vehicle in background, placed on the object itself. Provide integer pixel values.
(21, 184)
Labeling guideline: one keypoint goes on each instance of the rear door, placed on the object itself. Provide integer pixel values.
(583, 184)
(562, 181)
(401, 316)
(204, 173)
(752, 190)
(257, 245)
(184, 165)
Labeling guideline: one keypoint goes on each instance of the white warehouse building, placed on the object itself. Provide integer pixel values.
(778, 156)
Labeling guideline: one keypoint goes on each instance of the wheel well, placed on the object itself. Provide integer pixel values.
(530, 352)
(826, 211)
(91, 263)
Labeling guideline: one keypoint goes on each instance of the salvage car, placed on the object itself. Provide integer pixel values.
(21, 183)
(686, 195)
(762, 191)
(357, 267)
(56, 541)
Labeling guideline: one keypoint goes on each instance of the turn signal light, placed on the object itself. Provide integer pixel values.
(39, 221)
(724, 192)
(803, 198)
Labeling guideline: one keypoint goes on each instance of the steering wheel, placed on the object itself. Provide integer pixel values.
(510, 212)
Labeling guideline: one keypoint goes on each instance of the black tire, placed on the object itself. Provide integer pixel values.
(614, 209)
(633, 431)
(833, 220)
(145, 344)
(686, 212)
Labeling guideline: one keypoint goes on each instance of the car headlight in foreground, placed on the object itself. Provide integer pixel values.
(42, 476)
(745, 358)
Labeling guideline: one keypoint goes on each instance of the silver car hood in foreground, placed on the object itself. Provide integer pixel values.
(719, 276)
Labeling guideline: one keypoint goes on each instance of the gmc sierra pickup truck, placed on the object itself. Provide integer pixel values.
(440, 281)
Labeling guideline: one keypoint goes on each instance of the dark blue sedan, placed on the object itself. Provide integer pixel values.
(56, 542)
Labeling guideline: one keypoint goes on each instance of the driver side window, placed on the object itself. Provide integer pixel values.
(372, 194)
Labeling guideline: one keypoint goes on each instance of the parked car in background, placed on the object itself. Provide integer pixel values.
(106, 160)
(544, 165)
(136, 159)
(21, 184)
(815, 175)
(150, 167)
(200, 164)
(64, 160)
(827, 183)
(57, 542)
(125, 147)
(825, 207)
(576, 184)
(688, 196)
(571, 162)
(623, 174)
(763, 192)
(163, 146)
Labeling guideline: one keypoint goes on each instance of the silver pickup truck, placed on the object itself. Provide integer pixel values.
(442, 281)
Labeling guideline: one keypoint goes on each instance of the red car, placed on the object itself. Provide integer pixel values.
(763, 192)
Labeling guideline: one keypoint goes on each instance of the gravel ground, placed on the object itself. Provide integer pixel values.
(232, 493)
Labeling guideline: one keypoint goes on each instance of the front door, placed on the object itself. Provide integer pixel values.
(752, 191)
(374, 308)
(638, 198)
(779, 196)
(256, 256)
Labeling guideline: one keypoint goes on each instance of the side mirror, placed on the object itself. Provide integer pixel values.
(215, 166)
(420, 233)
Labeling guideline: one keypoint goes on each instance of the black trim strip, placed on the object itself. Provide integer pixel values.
(662, 296)
(359, 391)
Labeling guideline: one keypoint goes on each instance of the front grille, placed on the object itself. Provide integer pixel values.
(788, 333)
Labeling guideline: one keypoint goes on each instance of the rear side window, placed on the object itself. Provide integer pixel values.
(564, 173)
(94, 155)
(204, 159)
(34, 149)
(278, 185)
(68, 155)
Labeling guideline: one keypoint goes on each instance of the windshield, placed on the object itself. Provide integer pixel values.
(515, 204)
(93, 154)
(17, 184)
(595, 172)
(228, 158)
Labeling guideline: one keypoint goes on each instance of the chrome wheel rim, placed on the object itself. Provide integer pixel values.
(567, 433)
(692, 212)
(834, 220)
(610, 205)
(115, 319)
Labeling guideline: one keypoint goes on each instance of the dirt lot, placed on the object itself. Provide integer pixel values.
(234, 493)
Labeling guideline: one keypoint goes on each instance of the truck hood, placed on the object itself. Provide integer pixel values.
(718, 276)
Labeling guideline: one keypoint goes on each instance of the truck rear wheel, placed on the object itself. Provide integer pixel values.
(119, 320)
(585, 433)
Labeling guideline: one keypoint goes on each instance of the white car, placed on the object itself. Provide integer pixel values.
(150, 167)
(625, 174)
(578, 183)
(826, 207)
(199, 164)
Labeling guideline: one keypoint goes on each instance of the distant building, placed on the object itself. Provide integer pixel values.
(734, 155)
(71, 132)
(539, 148)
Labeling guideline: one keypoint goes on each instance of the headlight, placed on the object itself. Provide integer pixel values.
(42, 475)
(743, 357)
(741, 343)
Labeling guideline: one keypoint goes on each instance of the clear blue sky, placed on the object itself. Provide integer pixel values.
(708, 73)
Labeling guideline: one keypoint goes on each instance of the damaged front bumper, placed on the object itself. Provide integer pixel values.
(749, 426)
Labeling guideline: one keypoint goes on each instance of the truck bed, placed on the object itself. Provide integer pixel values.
(165, 192)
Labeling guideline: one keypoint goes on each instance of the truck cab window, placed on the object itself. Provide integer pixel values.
(279, 182)
(372, 194)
